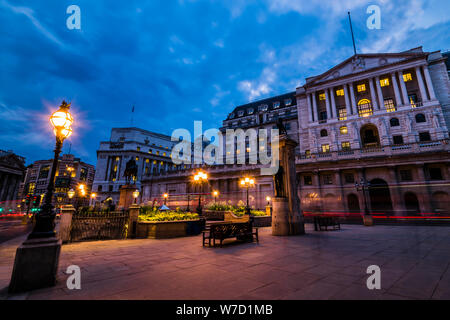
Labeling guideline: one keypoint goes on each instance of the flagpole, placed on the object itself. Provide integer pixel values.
(351, 30)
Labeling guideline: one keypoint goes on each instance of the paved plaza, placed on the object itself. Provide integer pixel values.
(414, 262)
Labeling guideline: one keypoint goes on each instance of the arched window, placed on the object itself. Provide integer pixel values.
(420, 117)
(323, 133)
(394, 122)
(365, 108)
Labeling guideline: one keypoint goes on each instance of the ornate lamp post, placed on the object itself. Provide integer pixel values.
(135, 195)
(70, 194)
(165, 196)
(93, 196)
(200, 178)
(247, 183)
(363, 185)
(36, 261)
(268, 200)
(215, 195)
(45, 220)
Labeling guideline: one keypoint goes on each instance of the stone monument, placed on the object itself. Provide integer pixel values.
(126, 192)
(287, 218)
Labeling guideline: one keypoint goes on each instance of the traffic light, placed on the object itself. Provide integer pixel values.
(27, 200)
(36, 201)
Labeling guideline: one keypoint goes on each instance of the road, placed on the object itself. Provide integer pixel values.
(10, 229)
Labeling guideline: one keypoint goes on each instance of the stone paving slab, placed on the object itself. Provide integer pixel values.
(414, 262)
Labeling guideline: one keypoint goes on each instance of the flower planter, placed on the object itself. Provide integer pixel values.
(258, 221)
(168, 229)
(214, 215)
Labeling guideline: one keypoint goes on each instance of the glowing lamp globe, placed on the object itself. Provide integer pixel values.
(70, 193)
(61, 121)
(136, 193)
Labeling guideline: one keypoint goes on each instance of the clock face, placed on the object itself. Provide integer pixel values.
(358, 63)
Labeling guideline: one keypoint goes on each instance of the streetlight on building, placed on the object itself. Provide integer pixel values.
(247, 183)
(200, 178)
(363, 185)
(62, 127)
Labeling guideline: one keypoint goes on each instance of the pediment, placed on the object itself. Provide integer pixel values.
(12, 161)
(363, 62)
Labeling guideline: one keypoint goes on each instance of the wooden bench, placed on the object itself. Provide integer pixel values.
(324, 222)
(221, 231)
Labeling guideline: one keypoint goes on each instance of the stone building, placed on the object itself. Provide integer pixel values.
(71, 172)
(225, 178)
(12, 169)
(150, 150)
(382, 118)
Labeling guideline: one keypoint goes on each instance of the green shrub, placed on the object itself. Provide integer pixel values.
(219, 206)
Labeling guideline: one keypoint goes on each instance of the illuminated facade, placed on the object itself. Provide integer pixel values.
(383, 118)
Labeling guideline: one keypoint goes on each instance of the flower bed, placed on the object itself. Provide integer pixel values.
(157, 224)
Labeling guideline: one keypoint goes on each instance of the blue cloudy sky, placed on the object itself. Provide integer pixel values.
(178, 61)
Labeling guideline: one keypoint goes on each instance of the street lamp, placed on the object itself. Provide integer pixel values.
(215, 195)
(247, 183)
(363, 185)
(165, 195)
(61, 121)
(135, 195)
(93, 196)
(200, 178)
(268, 200)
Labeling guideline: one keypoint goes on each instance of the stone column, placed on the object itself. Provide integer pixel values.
(398, 100)
(327, 103)
(429, 83)
(314, 101)
(310, 111)
(67, 212)
(287, 217)
(340, 190)
(423, 192)
(333, 103)
(395, 191)
(373, 95)
(403, 88)
(347, 101)
(423, 93)
(380, 93)
(352, 97)
(133, 221)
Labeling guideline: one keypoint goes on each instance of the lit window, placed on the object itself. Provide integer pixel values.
(365, 108)
(342, 114)
(384, 82)
(325, 148)
(137, 158)
(407, 77)
(263, 107)
(322, 96)
(157, 152)
(154, 161)
(240, 113)
(248, 150)
(147, 160)
(238, 151)
(340, 92)
(276, 105)
(389, 105)
(150, 151)
(361, 87)
(343, 130)
(250, 111)
(288, 102)
(345, 145)
(138, 148)
(164, 154)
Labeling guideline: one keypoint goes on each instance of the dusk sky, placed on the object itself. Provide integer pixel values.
(178, 61)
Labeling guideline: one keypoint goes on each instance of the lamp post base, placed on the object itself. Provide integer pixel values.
(35, 264)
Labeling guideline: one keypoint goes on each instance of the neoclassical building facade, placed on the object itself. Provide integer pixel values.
(379, 119)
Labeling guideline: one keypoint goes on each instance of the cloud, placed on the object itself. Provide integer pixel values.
(29, 13)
